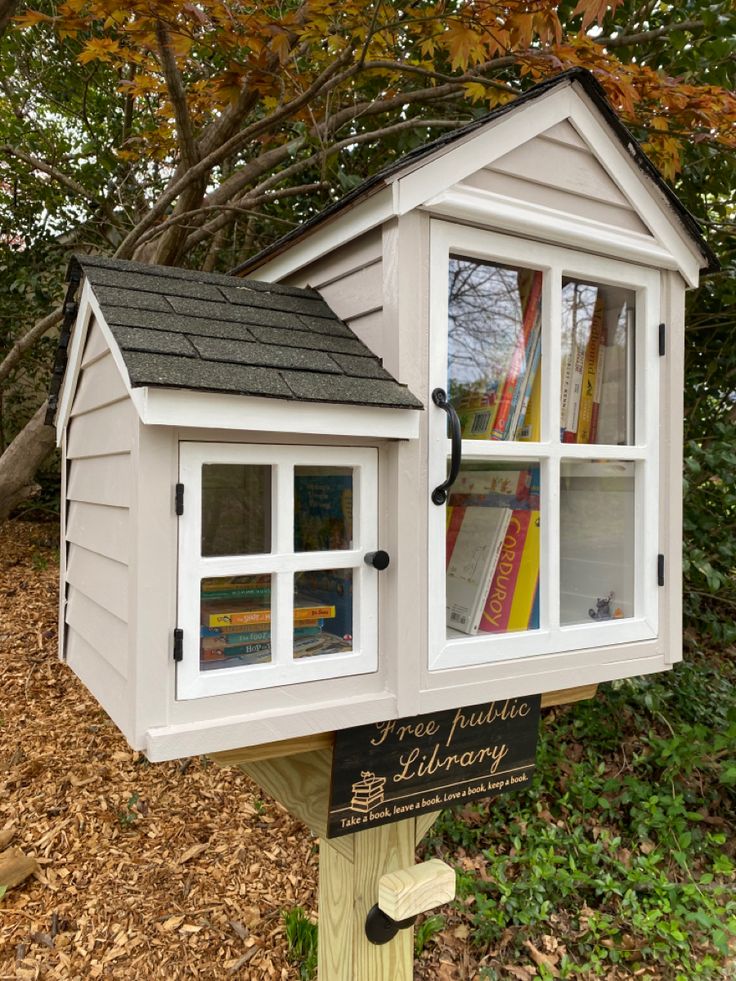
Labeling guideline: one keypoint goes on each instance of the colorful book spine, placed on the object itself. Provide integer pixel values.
(236, 617)
(525, 389)
(236, 592)
(497, 609)
(242, 650)
(590, 370)
(527, 581)
(576, 388)
(531, 431)
(595, 414)
(518, 358)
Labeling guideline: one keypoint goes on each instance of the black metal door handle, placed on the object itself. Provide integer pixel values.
(440, 399)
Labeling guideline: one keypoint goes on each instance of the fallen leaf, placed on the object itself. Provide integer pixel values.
(543, 960)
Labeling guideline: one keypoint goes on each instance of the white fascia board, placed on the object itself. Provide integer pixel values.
(88, 308)
(73, 361)
(468, 203)
(212, 410)
(355, 221)
(459, 160)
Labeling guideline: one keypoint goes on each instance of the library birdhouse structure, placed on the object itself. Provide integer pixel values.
(424, 451)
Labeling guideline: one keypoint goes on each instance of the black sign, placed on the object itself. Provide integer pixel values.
(393, 770)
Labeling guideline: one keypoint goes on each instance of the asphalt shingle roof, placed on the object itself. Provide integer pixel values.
(208, 332)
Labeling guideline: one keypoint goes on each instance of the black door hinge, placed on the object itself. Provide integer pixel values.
(178, 644)
(179, 499)
(660, 570)
(662, 336)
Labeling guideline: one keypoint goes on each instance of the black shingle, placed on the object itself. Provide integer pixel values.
(230, 311)
(363, 391)
(134, 299)
(156, 341)
(177, 322)
(238, 352)
(176, 286)
(305, 338)
(174, 372)
(313, 305)
(361, 367)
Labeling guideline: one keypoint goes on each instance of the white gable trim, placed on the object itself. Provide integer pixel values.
(472, 204)
(245, 413)
(88, 308)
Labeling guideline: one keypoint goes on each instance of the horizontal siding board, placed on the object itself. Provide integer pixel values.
(99, 384)
(105, 633)
(101, 579)
(100, 678)
(369, 328)
(99, 528)
(349, 257)
(107, 430)
(357, 293)
(555, 165)
(101, 480)
(566, 133)
(518, 189)
(95, 345)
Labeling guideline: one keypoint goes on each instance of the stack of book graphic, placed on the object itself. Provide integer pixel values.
(492, 563)
(367, 792)
(509, 408)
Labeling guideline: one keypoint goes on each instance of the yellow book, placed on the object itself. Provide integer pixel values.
(592, 357)
(526, 581)
(531, 430)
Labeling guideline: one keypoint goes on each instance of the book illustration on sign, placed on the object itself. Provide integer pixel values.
(367, 792)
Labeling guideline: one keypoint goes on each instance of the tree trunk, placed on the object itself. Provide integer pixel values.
(21, 460)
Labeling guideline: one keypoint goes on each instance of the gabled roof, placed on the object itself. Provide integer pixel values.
(207, 332)
(410, 161)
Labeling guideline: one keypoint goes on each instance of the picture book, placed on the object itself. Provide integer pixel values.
(222, 613)
(517, 364)
(498, 604)
(471, 567)
(527, 579)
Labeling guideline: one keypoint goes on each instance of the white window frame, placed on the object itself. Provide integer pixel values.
(448, 239)
(281, 562)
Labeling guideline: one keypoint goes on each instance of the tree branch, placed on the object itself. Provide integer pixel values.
(20, 347)
(175, 86)
(7, 9)
(68, 182)
(643, 37)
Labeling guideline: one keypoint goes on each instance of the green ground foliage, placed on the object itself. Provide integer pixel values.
(623, 850)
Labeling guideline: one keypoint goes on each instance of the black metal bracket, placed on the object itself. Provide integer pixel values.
(178, 644)
(440, 399)
(179, 499)
(380, 928)
(662, 340)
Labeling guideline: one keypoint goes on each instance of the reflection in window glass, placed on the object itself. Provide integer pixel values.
(323, 508)
(235, 622)
(492, 541)
(323, 612)
(236, 509)
(494, 349)
(596, 541)
(597, 390)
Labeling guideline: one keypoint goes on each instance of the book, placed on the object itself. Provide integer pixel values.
(517, 488)
(323, 512)
(240, 650)
(524, 389)
(454, 518)
(576, 387)
(221, 613)
(531, 430)
(590, 372)
(498, 604)
(527, 580)
(218, 640)
(472, 564)
(532, 308)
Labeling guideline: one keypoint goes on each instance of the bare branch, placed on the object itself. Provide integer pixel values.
(643, 37)
(20, 347)
(58, 175)
(175, 86)
(226, 149)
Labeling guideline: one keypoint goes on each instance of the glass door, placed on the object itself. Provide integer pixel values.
(543, 449)
(273, 586)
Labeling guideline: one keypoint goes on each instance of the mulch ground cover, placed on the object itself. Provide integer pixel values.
(143, 871)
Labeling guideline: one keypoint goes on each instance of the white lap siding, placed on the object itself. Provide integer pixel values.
(99, 441)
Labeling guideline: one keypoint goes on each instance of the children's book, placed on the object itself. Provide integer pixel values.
(498, 604)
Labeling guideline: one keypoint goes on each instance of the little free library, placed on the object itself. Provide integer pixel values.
(422, 453)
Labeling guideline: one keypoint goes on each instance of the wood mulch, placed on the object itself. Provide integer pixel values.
(146, 871)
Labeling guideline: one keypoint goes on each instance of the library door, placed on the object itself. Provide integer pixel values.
(273, 588)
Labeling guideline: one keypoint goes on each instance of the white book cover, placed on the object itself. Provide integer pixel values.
(472, 564)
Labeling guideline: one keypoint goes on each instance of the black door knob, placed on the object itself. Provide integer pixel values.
(379, 560)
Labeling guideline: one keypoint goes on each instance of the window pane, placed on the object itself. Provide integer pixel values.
(494, 349)
(236, 509)
(323, 508)
(323, 612)
(492, 556)
(597, 393)
(596, 541)
(235, 623)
